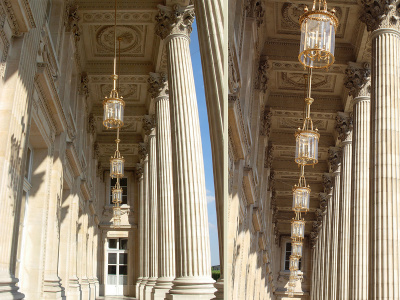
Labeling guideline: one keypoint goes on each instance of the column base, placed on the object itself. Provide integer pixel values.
(85, 289)
(162, 287)
(142, 287)
(185, 288)
(149, 288)
(8, 288)
(74, 288)
(219, 285)
(92, 288)
(97, 285)
(137, 288)
(52, 288)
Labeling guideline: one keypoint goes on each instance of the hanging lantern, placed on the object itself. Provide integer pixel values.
(290, 293)
(113, 111)
(301, 194)
(117, 194)
(317, 42)
(117, 165)
(116, 217)
(307, 141)
(293, 263)
(294, 275)
(297, 248)
(298, 229)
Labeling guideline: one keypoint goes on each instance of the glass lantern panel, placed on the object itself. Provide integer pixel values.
(117, 222)
(301, 199)
(297, 249)
(306, 148)
(292, 283)
(113, 113)
(294, 263)
(117, 167)
(117, 195)
(317, 43)
(298, 229)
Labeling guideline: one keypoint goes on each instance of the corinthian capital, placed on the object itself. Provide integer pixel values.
(149, 123)
(158, 86)
(358, 79)
(175, 20)
(143, 151)
(344, 126)
(261, 80)
(265, 125)
(139, 170)
(380, 14)
(334, 159)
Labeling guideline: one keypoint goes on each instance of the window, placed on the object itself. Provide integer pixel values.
(123, 182)
(288, 252)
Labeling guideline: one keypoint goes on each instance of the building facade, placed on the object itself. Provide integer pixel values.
(58, 241)
(351, 241)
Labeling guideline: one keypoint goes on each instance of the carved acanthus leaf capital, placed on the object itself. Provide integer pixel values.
(323, 201)
(344, 126)
(255, 9)
(149, 123)
(378, 14)
(158, 85)
(84, 88)
(335, 158)
(176, 20)
(261, 80)
(72, 21)
(91, 127)
(327, 183)
(265, 125)
(358, 80)
(143, 150)
(269, 156)
(139, 170)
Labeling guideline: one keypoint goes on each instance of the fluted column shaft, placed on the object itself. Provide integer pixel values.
(166, 240)
(146, 231)
(193, 264)
(385, 165)
(322, 258)
(344, 222)
(153, 215)
(328, 245)
(360, 200)
(139, 176)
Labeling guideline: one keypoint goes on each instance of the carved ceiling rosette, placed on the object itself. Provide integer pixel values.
(358, 80)
(158, 85)
(344, 126)
(380, 14)
(261, 80)
(149, 123)
(175, 20)
(335, 158)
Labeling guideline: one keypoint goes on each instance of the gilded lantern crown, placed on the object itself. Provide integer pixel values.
(317, 43)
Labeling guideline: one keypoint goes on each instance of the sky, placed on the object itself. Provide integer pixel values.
(205, 138)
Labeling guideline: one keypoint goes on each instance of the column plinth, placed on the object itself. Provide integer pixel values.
(192, 243)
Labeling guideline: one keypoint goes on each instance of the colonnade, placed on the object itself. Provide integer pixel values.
(175, 245)
(368, 245)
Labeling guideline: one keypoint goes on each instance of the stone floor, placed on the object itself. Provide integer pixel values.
(115, 298)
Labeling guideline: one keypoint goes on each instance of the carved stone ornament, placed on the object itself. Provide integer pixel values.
(143, 151)
(72, 22)
(158, 86)
(148, 123)
(233, 71)
(261, 80)
(96, 150)
(358, 79)
(255, 9)
(335, 158)
(313, 238)
(84, 88)
(91, 124)
(139, 171)
(265, 125)
(327, 183)
(344, 126)
(323, 201)
(380, 14)
(269, 156)
(177, 20)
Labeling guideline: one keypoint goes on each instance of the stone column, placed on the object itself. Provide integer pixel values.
(192, 242)
(166, 237)
(358, 82)
(209, 18)
(146, 206)
(344, 127)
(153, 216)
(322, 265)
(382, 19)
(335, 156)
(139, 176)
(326, 197)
